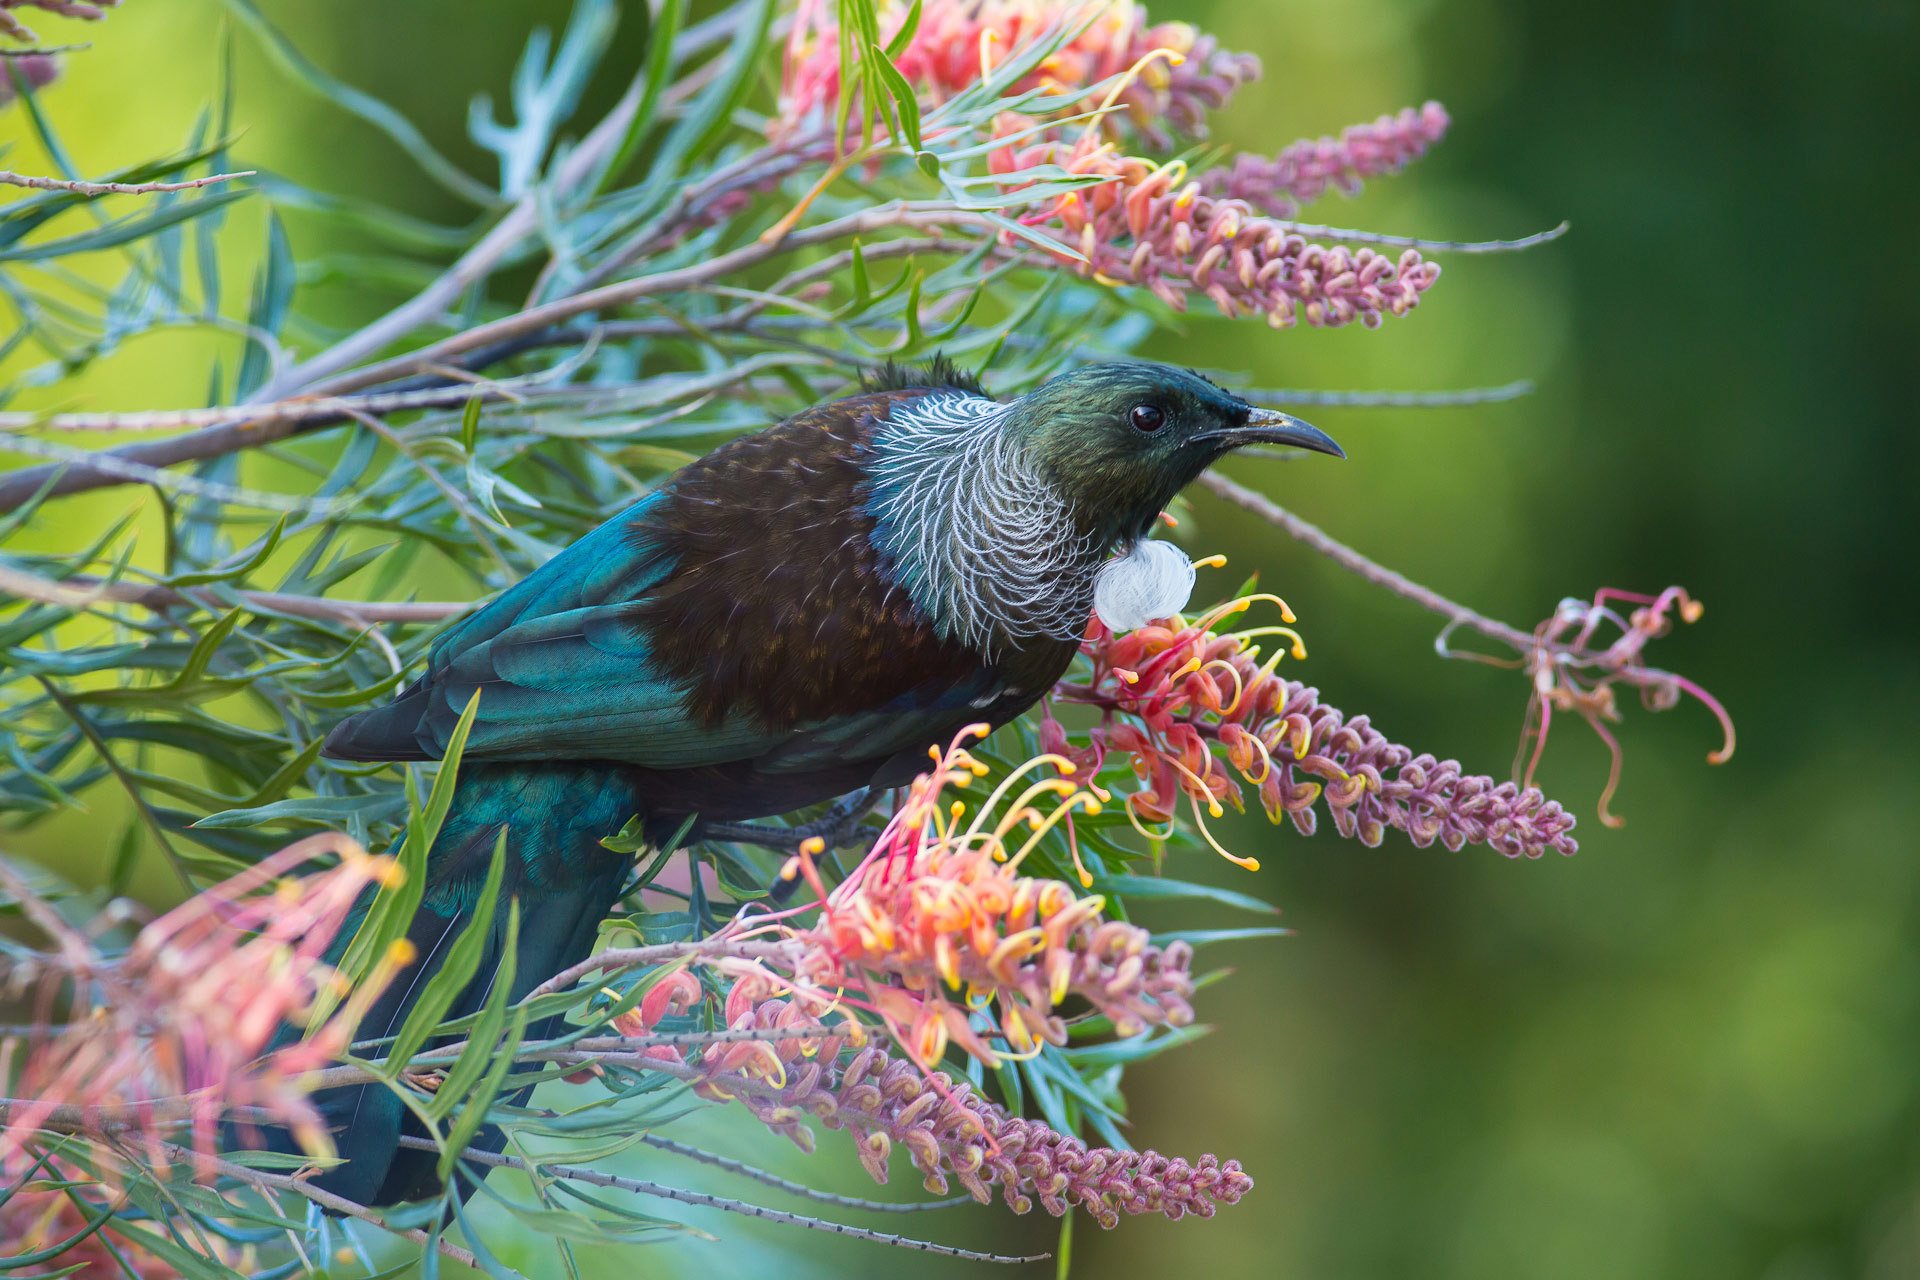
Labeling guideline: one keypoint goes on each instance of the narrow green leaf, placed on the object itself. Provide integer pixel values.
(1131, 886)
(474, 1112)
(904, 98)
(124, 231)
(364, 105)
(470, 425)
(660, 49)
(462, 962)
(235, 570)
(904, 36)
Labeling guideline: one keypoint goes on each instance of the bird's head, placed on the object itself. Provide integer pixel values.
(1121, 439)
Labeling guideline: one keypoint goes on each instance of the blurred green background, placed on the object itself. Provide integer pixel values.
(1688, 1052)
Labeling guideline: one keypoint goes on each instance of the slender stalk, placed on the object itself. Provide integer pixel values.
(766, 1178)
(27, 586)
(640, 1186)
(9, 178)
(1354, 562)
(1456, 614)
(265, 1181)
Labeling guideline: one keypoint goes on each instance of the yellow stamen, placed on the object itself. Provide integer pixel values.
(1213, 805)
(1159, 837)
(1040, 833)
(999, 793)
(1251, 864)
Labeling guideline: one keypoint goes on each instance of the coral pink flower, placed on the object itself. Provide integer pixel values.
(938, 932)
(1178, 697)
(949, 1132)
(1182, 74)
(180, 1023)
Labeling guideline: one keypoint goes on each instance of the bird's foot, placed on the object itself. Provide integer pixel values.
(833, 828)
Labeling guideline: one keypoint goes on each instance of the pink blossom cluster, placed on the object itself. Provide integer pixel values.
(1200, 717)
(937, 929)
(177, 1031)
(1303, 171)
(1148, 225)
(1180, 74)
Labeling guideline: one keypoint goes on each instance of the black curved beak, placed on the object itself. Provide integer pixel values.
(1270, 426)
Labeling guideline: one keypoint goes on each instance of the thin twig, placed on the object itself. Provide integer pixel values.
(300, 409)
(1417, 242)
(27, 586)
(1390, 399)
(480, 262)
(641, 1186)
(9, 178)
(1456, 614)
(261, 1179)
(767, 1178)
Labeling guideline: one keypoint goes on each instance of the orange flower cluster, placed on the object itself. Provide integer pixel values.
(185, 1016)
(1179, 696)
(938, 933)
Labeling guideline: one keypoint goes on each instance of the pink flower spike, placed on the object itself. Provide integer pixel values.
(1303, 171)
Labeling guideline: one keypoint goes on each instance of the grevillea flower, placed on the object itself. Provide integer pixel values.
(949, 1132)
(939, 908)
(1150, 226)
(1571, 674)
(1182, 74)
(938, 933)
(1177, 697)
(1302, 172)
(175, 1030)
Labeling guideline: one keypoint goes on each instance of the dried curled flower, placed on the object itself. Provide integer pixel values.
(1569, 674)
(180, 1023)
(1302, 172)
(936, 925)
(949, 1131)
(1180, 74)
(1148, 225)
(1178, 696)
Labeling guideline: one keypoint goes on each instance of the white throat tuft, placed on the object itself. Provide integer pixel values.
(1152, 580)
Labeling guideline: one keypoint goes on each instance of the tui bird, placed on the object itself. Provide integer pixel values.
(796, 616)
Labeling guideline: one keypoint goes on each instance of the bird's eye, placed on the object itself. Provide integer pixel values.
(1148, 418)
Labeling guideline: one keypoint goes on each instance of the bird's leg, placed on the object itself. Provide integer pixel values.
(832, 828)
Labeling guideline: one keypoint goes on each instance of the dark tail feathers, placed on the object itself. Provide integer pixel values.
(564, 882)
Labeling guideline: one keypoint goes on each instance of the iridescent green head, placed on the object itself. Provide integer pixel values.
(1120, 440)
